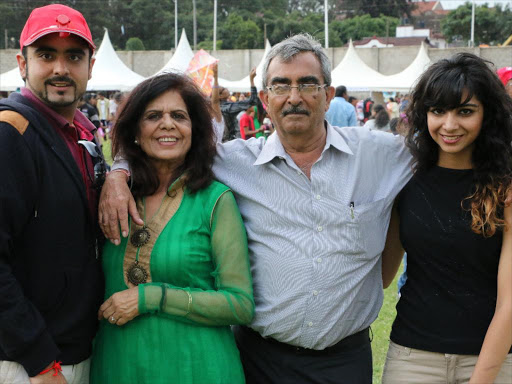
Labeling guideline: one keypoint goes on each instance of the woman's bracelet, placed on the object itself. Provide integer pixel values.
(189, 303)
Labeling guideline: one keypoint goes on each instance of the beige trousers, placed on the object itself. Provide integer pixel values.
(14, 373)
(413, 366)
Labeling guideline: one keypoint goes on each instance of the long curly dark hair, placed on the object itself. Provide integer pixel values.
(197, 167)
(443, 85)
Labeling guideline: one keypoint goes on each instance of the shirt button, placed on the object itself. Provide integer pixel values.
(315, 293)
(299, 173)
(310, 324)
(318, 197)
(319, 260)
(319, 228)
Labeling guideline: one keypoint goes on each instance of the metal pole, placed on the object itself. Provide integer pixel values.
(215, 25)
(195, 24)
(175, 24)
(326, 22)
(6, 39)
(473, 24)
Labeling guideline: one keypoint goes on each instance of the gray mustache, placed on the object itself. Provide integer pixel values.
(295, 110)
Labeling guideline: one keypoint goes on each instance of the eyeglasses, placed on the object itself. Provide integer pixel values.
(98, 161)
(304, 89)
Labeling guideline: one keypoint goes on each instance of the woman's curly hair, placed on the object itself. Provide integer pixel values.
(443, 85)
(197, 166)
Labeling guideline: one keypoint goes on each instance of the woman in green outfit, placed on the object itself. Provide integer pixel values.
(177, 282)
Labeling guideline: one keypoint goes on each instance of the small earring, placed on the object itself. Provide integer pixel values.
(136, 142)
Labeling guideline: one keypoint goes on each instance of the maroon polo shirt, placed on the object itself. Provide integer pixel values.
(81, 129)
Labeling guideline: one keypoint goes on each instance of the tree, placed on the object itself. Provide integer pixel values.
(208, 45)
(13, 16)
(239, 33)
(153, 22)
(492, 25)
(134, 44)
(359, 27)
(375, 8)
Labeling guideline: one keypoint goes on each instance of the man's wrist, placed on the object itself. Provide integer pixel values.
(53, 366)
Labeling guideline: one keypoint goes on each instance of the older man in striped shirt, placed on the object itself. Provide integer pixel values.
(316, 202)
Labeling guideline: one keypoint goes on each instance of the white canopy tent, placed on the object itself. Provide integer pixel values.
(244, 85)
(109, 72)
(405, 80)
(356, 75)
(11, 80)
(180, 60)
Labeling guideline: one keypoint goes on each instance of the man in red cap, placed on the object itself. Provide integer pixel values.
(505, 75)
(50, 278)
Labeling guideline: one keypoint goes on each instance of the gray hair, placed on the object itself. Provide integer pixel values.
(291, 47)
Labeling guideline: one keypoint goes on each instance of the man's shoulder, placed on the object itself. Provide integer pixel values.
(337, 101)
(14, 119)
(358, 137)
(240, 146)
(238, 151)
(15, 111)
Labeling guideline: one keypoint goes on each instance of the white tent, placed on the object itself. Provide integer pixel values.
(244, 85)
(356, 75)
(11, 80)
(181, 58)
(405, 80)
(109, 72)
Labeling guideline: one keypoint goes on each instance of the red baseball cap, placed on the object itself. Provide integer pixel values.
(55, 18)
(505, 74)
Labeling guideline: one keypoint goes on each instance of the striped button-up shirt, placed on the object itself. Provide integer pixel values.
(315, 244)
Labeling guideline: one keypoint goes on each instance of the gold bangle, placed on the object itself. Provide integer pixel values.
(189, 303)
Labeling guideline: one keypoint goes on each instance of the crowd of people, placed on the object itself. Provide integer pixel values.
(101, 111)
(209, 255)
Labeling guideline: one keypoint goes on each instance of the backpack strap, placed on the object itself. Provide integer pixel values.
(15, 119)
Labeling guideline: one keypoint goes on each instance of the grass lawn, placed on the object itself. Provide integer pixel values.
(107, 151)
(381, 327)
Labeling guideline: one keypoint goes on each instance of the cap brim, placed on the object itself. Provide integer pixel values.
(48, 31)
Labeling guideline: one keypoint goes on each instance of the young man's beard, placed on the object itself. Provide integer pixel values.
(43, 95)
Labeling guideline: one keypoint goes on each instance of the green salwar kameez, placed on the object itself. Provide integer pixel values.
(199, 283)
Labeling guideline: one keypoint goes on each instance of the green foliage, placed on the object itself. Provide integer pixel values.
(134, 44)
(207, 45)
(10, 15)
(359, 27)
(492, 25)
(241, 23)
(239, 33)
(374, 8)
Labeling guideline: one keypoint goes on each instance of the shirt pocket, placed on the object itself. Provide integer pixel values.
(365, 228)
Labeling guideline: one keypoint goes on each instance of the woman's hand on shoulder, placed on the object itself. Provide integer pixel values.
(121, 307)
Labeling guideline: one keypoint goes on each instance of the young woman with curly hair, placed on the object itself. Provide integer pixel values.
(454, 317)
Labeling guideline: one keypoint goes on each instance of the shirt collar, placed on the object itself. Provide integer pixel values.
(274, 148)
(335, 139)
(86, 128)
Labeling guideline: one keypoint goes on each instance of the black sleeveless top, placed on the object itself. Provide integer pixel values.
(449, 298)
